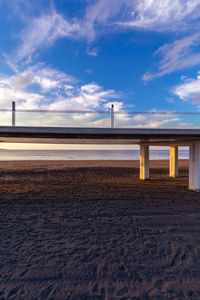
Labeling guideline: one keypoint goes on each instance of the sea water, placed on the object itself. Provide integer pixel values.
(85, 154)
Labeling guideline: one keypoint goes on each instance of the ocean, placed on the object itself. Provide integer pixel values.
(85, 154)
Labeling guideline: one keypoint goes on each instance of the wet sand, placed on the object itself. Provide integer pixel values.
(92, 230)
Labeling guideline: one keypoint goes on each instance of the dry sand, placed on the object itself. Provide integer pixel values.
(92, 230)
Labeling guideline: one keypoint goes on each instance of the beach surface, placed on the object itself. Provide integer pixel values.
(93, 230)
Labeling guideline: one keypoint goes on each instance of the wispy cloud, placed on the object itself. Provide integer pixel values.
(158, 15)
(92, 51)
(189, 89)
(99, 13)
(176, 56)
(154, 15)
(43, 31)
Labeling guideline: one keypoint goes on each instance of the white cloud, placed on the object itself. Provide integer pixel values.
(88, 96)
(92, 51)
(118, 106)
(99, 13)
(43, 31)
(158, 15)
(40, 87)
(148, 76)
(23, 98)
(49, 78)
(22, 80)
(122, 120)
(142, 14)
(189, 89)
(45, 77)
(176, 56)
(125, 120)
(72, 96)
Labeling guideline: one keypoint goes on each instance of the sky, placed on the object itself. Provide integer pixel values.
(140, 55)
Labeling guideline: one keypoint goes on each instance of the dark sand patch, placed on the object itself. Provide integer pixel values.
(69, 231)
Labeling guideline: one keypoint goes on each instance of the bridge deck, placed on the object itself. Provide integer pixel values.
(75, 135)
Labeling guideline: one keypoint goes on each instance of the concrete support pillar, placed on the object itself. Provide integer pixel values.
(144, 162)
(194, 166)
(173, 162)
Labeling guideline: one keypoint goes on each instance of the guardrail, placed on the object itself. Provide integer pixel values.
(107, 118)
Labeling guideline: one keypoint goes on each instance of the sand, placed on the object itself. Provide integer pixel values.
(92, 230)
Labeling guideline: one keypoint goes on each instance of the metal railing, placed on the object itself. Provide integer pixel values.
(107, 118)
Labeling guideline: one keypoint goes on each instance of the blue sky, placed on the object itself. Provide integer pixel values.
(141, 55)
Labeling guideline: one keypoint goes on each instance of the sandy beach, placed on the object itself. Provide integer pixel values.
(92, 230)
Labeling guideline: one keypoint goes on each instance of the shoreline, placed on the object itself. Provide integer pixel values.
(62, 164)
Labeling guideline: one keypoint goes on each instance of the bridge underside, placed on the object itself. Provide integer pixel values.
(90, 141)
(62, 135)
(118, 136)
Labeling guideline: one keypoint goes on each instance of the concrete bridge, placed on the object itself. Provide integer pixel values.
(143, 137)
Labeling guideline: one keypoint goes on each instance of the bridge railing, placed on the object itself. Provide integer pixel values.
(105, 119)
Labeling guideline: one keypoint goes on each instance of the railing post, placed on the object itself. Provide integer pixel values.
(112, 116)
(13, 113)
